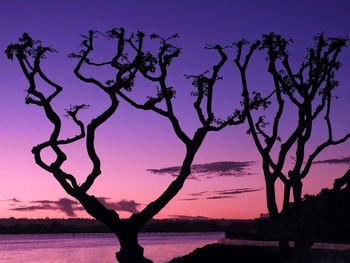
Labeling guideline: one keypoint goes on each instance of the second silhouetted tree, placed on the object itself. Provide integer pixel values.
(309, 92)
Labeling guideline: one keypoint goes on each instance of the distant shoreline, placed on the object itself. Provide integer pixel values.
(80, 225)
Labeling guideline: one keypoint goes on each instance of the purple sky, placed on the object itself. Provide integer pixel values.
(133, 142)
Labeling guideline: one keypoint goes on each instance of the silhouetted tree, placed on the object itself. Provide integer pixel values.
(29, 54)
(309, 90)
(342, 181)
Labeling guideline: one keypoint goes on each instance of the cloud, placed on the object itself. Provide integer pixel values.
(237, 191)
(219, 197)
(33, 208)
(210, 170)
(345, 160)
(67, 206)
(43, 202)
(64, 205)
(199, 193)
(14, 200)
(123, 205)
(220, 194)
(70, 207)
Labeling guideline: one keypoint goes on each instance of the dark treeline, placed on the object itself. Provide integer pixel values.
(325, 215)
(80, 225)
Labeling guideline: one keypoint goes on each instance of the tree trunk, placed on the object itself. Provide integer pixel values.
(284, 235)
(126, 231)
(283, 240)
(303, 241)
(130, 250)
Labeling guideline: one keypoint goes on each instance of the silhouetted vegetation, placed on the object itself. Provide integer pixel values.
(253, 254)
(229, 253)
(309, 91)
(326, 214)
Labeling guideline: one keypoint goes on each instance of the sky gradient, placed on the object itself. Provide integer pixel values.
(139, 150)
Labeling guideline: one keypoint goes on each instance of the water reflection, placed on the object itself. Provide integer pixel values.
(92, 248)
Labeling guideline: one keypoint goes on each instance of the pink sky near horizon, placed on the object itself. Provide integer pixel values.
(133, 141)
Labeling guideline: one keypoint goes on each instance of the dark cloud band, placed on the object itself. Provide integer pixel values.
(220, 194)
(345, 160)
(210, 170)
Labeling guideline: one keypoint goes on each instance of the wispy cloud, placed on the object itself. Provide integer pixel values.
(220, 197)
(345, 160)
(70, 207)
(64, 205)
(210, 170)
(14, 200)
(11, 201)
(237, 191)
(219, 194)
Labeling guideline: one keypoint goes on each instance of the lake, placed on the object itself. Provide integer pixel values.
(92, 248)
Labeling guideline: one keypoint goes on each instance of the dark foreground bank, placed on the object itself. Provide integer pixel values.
(220, 253)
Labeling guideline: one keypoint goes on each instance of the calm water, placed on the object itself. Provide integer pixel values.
(92, 248)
